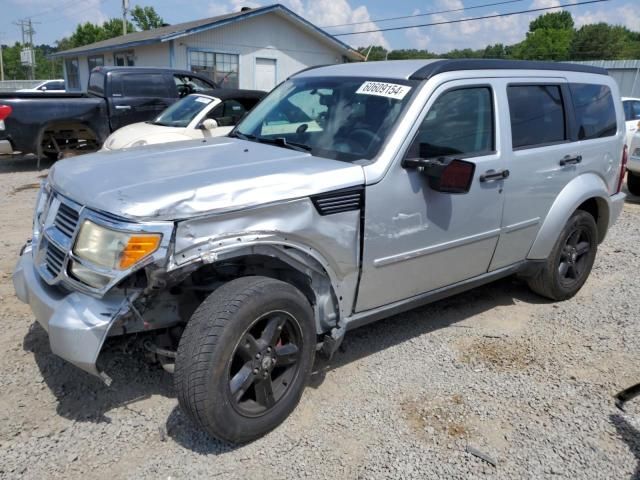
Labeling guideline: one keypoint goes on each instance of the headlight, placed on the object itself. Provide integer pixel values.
(112, 249)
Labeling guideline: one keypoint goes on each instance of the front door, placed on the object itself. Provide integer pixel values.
(417, 239)
(265, 74)
(138, 97)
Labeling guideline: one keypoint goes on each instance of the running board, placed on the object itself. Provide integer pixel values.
(373, 315)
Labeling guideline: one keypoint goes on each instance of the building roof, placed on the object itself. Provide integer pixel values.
(171, 32)
(425, 69)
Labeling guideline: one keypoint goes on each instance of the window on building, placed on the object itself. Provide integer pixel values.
(537, 115)
(595, 112)
(460, 123)
(73, 73)
(222, 68)
(95, 61)
(124, 59)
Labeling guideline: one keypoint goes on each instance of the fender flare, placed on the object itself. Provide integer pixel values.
(575, 193)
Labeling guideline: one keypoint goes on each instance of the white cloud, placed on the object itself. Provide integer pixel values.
(627, 15)
(322, 13)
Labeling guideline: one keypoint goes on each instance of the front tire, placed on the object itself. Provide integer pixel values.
(245, 357)
(633, 183)
(569, 264)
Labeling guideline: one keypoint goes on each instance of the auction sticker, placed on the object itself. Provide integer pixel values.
(382, 89)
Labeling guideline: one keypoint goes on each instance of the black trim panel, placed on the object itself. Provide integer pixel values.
(346, 200)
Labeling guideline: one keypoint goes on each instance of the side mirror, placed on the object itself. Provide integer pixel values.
(445, 175)
(209, 124)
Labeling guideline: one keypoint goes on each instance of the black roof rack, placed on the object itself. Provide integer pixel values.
(441, 66)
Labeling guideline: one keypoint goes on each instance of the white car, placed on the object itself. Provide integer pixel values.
(49, 86)
(633, 165)
(213, 113)
(631, 116)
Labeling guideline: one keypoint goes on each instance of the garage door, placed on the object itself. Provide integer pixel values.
(265, 74)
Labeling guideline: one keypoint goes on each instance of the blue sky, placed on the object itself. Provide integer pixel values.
(58, 18)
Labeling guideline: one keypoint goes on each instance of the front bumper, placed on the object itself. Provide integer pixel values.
(77, 323)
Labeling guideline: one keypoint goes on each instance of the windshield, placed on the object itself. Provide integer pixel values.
(181, 113)
(343, 118)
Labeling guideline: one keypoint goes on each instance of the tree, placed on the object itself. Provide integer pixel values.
(556, 20)
(146, 18)
(88, 32)
(375, 53)
(601, 41)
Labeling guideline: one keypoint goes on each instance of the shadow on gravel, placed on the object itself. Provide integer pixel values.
(19, 163)
(631, 436)
(400, 328)
(83, 397)
(189, 436)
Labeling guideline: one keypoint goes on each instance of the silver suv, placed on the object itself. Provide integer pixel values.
(350, 193)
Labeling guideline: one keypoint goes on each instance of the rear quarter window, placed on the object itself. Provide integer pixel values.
(594, 110)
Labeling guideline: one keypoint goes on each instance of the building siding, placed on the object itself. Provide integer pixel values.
(625, 72)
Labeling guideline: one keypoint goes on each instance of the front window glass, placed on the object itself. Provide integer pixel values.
(344, 118)
(459, 123)
(181, 113)
(187, 85)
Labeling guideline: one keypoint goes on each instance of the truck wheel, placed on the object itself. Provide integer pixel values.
(633, 183)
(245, 357)
(569, 264)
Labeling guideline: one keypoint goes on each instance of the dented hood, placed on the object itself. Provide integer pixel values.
(176, 181)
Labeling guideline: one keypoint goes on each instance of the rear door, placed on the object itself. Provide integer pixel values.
(541, 160)
(139, 97)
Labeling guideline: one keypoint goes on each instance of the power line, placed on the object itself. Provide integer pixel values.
(566, 5)
(426, 14)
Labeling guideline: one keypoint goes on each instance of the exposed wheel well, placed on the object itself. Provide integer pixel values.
(315, 286)
(66, 135)
(598, 209)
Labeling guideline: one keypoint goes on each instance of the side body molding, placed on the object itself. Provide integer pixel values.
(576, 192)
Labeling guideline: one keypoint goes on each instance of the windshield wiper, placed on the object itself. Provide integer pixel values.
(242, 136)
(282, 142)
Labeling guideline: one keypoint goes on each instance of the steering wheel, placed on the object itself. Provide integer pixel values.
(364, 137)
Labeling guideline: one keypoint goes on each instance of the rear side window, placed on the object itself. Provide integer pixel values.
(459, 123)
(537, 115)
(594, 110)
(144, 85)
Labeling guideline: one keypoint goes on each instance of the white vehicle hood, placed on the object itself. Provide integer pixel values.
(181, 180)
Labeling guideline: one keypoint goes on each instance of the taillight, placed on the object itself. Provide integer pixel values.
(623, 168)
(5, 111)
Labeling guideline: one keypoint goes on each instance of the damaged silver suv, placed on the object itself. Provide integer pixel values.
(350, 193)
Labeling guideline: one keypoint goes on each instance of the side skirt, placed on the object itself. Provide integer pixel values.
(373, 315)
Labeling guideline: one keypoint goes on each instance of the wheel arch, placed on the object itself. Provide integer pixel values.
(587, 192)
(66, 123)
(301, 267)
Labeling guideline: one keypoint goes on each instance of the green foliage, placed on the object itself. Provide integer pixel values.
(146, 18)
(374, 53)
(45, 68)
(556, 20)
(88, 32)
(545, 44)
(602, 41)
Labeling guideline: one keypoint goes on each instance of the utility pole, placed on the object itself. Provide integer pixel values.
(125, 9)
(26, 28)
(1, 62)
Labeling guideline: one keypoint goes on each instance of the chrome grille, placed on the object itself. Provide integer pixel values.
(66, 219)
(54, 259)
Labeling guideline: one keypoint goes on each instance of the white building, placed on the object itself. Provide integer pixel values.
(253, 48)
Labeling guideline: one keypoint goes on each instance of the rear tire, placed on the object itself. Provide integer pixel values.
(633, 183)
(245, 357)
(569, 264)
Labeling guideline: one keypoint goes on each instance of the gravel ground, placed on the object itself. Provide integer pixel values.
(525, 382)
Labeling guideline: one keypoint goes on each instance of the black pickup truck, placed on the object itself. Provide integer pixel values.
(55, 124)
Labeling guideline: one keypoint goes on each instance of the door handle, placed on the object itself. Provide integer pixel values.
(123, 107)
(569, 160)
(491, 175)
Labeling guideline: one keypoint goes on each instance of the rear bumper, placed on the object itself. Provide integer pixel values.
(77, 323)
(617, 204)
